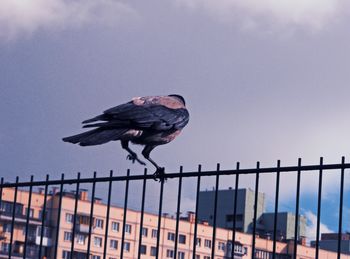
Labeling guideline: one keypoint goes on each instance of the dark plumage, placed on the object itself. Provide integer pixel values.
(148, 121)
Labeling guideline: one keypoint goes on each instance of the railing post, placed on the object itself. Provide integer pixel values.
(235, 212)
(196, 212)
(178, 213)
(13, 218)
(276, 209)
(255, 207)
(296, 224)
(27, 218)
(341, 208)
(125, 211)
(55, 253)
(319, 208)
(75, 214)
(107, 215)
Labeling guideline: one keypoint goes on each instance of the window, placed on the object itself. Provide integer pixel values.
(169, 253)
(67, 236)
(95, 257)
(98, 241)
(181, 255)
(5, 247)
(207, 243)
(153, 251)
(113, 244)
(171, 236)
(230, 217)
(145, 232)
(143, 249)
(6, 227)
(69, 218)
(182, 239)
(24, 230)
(98, 223)
(206, 257)
(198, 257)
(115, 226)
(127, 246)
(154, 233)
(221, 246)
(65, 255)
(128, 228)
(81, 239)
(31, 212)
(199, 241)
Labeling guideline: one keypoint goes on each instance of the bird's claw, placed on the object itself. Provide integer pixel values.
(159, 174)
(134, 158)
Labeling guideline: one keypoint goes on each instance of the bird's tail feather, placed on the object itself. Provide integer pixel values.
(97, 118)
(96, 137)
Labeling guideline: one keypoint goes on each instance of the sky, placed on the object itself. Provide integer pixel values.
(262, 82)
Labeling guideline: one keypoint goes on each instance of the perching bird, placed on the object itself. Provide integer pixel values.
(148, 121)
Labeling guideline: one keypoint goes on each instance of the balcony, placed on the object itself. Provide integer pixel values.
(82, 228)
(46, 239)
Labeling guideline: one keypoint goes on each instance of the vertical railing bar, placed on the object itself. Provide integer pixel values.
(75, 214)
(13, 218)
(142, 212)
(178, 212)
(159, 216)
(255, 207)
(341, 207)
(91, 216)
(43, 216)
(107, 214)
(235, 213)
(276, 209)
(296, 224)
(59, 216)
(215, 211)
(125, 211)
(196, 213)
(27, 217)
(1, 190)
(319, 208)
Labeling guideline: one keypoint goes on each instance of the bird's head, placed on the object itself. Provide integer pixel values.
(178, 97)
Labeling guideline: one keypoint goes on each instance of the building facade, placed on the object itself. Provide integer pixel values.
(223, 243)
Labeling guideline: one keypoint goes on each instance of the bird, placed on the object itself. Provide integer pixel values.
(149, 121)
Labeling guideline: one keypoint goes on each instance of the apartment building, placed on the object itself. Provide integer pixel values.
(245, 214)
(223, 244)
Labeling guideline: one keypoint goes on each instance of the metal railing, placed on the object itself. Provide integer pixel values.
(146, 178)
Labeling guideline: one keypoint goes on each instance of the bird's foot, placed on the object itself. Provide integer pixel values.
(134, 158)
(159, 174)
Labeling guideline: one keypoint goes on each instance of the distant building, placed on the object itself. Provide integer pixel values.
(329, 241)
(245, 208)
(285, 225)
(245, 214)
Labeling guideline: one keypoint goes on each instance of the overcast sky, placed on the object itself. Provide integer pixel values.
(262, 81)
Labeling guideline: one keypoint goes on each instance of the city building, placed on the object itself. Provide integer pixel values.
(329, 241)
(204, 245)
(245, 214)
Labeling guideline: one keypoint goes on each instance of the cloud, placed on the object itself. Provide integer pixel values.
(18, 17)
(271, 14)
(312, 225)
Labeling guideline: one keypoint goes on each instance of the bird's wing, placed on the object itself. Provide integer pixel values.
(146, 116)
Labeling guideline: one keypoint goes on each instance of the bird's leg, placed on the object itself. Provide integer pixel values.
(160, 172)
(132, 155)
